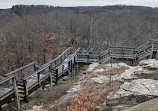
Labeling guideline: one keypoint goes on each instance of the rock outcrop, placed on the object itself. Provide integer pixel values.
(134, 92)
(140, 84)
(147, 69)
(145, 106)
(92, 67)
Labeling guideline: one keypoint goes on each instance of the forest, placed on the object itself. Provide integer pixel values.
(40, 33)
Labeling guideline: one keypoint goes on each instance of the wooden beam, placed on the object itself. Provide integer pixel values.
(39, 81)
(56, 79)
(26, 99)
(69, 68)
(16, 93)
(152, 47)
(51, 80)
(77, 64)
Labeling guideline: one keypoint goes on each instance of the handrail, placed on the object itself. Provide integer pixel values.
(20, 69)
(56, 59)
(122, 47)
(73, 55)
(38, 71)
(141, 46)
(7, 79)
(126, 50)
(43, 67)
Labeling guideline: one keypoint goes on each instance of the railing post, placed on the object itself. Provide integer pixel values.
(16, 93)
(62, 68)
(51, 81)
(157, 54)
(77, 64)
(34, 66)
(74, 66)
(152, 47)
(56, 82)
(26, 91)
(39, 81)
(69, 68)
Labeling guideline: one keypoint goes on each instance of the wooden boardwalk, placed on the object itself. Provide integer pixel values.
(147, 50)
(20, 83)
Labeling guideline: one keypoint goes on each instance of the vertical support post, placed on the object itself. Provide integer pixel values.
(26, 91)
(152, 47)
(62, 69)
(157, 54)
(69, 64)
(51, 81)
(122, 52)
(74, 73)
(60, 60)
(77, 64)
(21, 74)
(16, 93)
(34, 66)
(56, 82)
(39, 81)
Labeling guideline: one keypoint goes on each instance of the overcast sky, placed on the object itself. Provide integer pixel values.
(8, 3)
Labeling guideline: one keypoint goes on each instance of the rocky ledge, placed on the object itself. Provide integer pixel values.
(139, 84)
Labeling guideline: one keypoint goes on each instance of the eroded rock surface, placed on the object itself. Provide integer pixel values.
(115, 66)
(134, 92)
(147, 69)
(92, 66)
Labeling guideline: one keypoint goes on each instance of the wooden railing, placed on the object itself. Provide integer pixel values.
(24, 71)
(30, 77)
(9, 90)
(67, 64)
(129, 52)
(55, 62)
(88, 56)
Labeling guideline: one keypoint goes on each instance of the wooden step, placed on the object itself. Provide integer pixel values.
(21, 85)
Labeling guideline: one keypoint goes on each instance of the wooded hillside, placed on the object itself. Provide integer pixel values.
(38, 33)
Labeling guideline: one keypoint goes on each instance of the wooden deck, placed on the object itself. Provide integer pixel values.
(20, 83)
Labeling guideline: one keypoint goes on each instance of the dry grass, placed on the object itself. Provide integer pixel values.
(91, 95)
(94, 94)
(58, 91)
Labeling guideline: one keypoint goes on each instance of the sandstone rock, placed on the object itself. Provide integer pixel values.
(129, 74)
(149, 63)
(99, 70)
(147, 69)
(115, 66)
(92, 66)
(104, 79)
(37, 108)
(145, 106)
(134, 92)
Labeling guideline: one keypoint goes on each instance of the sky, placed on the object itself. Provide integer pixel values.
(70, 3)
